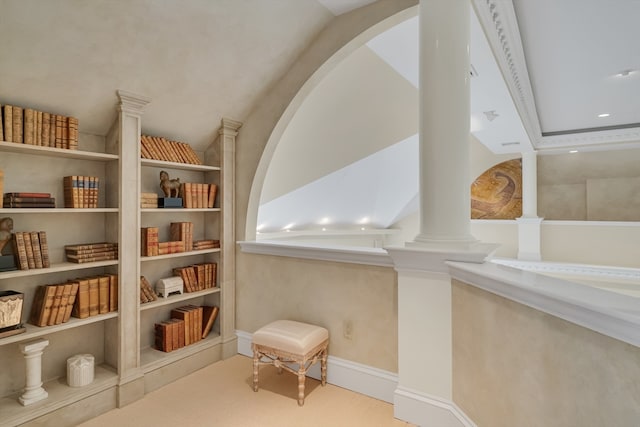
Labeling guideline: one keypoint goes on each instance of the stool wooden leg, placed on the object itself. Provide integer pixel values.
(301, 378)
(256, 359)
(323, 367)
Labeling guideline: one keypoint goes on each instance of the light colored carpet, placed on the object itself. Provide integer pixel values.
(221, 395)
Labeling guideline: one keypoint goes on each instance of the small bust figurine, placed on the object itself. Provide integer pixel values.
(6, 228)
(170, 187)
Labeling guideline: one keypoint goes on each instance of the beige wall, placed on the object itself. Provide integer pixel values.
(337, 296)
(515, 366)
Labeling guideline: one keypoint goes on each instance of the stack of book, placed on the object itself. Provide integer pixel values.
(149, 241)
(91, 252)
(170, 335)
(81, 298)
(31, 249)
(182, 232)
(28, 200)
(160, 148)
(147, 294)
(188, 325)
(81, 191)
(33, 127)
(148, 200)
(205, 244)
(198, 277)
(195, 195)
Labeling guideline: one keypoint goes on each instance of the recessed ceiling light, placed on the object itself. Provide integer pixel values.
(626, 73)
(573, 151)
(604, 115)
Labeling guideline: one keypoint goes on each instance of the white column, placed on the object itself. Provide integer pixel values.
(425, 372)
(131, 384)
(529, 225)
(33, 391)
(444, 93)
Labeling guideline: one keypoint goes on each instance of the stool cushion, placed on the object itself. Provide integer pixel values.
(290, 336)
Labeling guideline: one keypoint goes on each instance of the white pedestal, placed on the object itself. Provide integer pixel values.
(33, 391)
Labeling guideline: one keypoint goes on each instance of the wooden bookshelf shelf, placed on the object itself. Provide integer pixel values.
(7, 211)
(181, 166)
(179, 254)
(152, 359)
(165, 210)
(36, 331)
(172, 299)
(60, 395)
(37, 150)
(56, 268)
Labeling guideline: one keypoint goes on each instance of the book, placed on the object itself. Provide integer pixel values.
(8, 122)
(103, 294)
(149, 245)
(209, 315)
(185, 316)
(94, 296)
(28, 194)
(44, 249)
(177, 326)
(211, 198)
(55, 307)
(64, 301)
(81, 259)
(147, 294)
(81, 307)
(35, 244)
(46, 128)
(17, 124)
(84, 246)
(31, 262)
(20, 250)
(28, 126)
(38, 129)
(71, 302)
(164, 336)
(113, 292)
(93, 251)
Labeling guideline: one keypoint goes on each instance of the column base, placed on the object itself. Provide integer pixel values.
(35, 397)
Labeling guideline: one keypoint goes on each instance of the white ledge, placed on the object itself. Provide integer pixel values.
(348, 254)
(609, 313)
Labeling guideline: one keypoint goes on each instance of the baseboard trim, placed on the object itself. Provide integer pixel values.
(367, 380)
(428, 411)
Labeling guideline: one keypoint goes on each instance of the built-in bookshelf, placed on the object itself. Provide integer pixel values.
(121, 341)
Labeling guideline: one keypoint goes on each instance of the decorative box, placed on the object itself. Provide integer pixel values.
(168, 285)
(80, 370)
(10, 308)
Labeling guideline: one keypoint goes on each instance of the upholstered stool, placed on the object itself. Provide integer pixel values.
(286, 341)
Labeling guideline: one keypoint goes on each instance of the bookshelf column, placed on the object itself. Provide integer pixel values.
(227, 153)
(131, 383)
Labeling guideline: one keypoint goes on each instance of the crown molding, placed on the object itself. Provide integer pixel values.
(500, 25)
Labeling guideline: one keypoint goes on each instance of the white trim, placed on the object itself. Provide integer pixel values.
(611, 314)
(348, 254)
(585, 270)
(428, 411)
(367, 380)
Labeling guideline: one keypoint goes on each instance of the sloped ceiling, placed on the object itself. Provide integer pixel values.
(198, 60)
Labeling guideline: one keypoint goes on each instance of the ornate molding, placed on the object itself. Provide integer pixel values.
(572, 269)
(614, 138)
(131, 102)
(500, 25)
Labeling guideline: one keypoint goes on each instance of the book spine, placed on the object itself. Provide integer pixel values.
(49, 297)
(113, 292)
(81, 307)
(44, 249)
(110, 256)
(55, 307)
(38, 131)
(37, 253)
(8, 123)
(64, 300)
(46, 128)
(17, 125)
(73, 133)
(27, 245)
(83, 246)
(28, 126)
(20, 249)
(94, 296)
(58, 137)
(103, 294)
(72, 299)
(213, 191)
(37, 305)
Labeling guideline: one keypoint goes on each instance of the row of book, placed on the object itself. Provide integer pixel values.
(83, 297)
(147, 294)
(196, 195)
(28, 200)
(31, 249)
(188, 325)
(91, 252)
(160, 148)
(81, 191)
(197, 277)
(148, 200)
(180, 235)
(33, 127)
